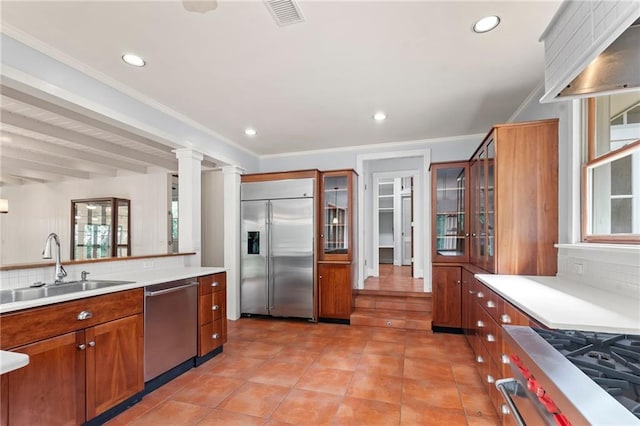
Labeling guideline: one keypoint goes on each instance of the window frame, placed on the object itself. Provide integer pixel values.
(591, 161)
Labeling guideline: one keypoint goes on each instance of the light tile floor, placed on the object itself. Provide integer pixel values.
(276, 372)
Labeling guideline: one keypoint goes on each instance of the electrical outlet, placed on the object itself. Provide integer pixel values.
(578, 268)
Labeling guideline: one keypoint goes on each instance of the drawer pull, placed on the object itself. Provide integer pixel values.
(92, 343)
(215, 284)
(84, 315)
(490, 378)
(479, 359)
(490, 338)
(215, 307)
(480, 295)
(472, 292)
(505, 319)
(480, 324)
(504, 409)
(505, 359)
(215, 336)
(490, 304)
(82, 346)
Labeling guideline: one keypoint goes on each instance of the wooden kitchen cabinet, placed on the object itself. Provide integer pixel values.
(114, 363)
(337, 248)
(447, 293)
(335, 284)
(514, 199)
(80, 365)
(449, 218)
(212, 312)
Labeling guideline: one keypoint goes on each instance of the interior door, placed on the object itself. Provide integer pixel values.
(291, 258)
(253, 261)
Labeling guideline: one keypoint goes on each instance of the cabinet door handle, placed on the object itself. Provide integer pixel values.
(490, 304)
(491, 338)
(504, 409)
(215, 307)
(84, 315)
(458, 282)
(92, 343)
(505, 359)
(472, 292)
(505, 319)
(215, 336)
(480, 295)
(320, 276)
(480, 324)
(215, 284)
(490, 378)
(479, 359)
(82, 346)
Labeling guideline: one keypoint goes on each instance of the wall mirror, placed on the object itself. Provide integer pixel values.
(100, 228)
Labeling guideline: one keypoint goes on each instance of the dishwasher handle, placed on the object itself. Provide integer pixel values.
(169, 290)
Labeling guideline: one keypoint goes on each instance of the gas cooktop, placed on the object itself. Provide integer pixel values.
(610, 360)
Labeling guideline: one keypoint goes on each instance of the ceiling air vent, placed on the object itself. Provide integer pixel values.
(285, 12)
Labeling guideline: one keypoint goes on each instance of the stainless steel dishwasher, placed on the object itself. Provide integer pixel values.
(170, 325)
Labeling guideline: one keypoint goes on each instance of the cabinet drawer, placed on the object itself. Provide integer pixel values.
(217, 304)
(211, 283)
(31, 325)
(210, 337)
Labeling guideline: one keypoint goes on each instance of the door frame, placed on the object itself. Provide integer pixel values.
(422, 197)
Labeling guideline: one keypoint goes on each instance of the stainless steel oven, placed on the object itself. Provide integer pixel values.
(572, 378)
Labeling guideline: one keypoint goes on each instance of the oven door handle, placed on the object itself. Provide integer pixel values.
(508, 387)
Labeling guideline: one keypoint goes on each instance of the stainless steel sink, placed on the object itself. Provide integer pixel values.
(29, 293)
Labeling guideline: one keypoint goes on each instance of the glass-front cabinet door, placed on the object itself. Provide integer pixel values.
(490, 207)
(336, 215)
(100, 228)
(450, 227)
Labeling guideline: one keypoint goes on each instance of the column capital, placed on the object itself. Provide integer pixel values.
(227, 170)
(188, 153)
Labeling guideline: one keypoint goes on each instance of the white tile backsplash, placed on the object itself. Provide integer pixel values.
(610, 267)
(25, 277)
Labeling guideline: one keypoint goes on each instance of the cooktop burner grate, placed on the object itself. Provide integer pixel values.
(610, 360)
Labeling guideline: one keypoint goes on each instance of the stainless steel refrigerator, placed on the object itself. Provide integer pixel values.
(277, 260)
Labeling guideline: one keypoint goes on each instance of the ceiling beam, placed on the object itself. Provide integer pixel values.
(30, 174)
(26, 142)
(42, 128)
(47, 168)
(58, 161)
(76, 116)
(11, 180)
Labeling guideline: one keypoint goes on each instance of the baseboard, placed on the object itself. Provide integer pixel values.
(335, 320)
(450, 330)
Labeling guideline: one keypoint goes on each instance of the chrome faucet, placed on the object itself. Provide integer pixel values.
(46, 254)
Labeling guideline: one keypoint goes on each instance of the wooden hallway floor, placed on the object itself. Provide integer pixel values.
(394, 278)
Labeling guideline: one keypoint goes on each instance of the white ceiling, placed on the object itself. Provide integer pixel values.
(311, 85)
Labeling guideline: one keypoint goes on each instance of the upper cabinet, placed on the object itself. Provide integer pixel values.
(449, 205)
(514, 199)
(100, 228)
(337, 203)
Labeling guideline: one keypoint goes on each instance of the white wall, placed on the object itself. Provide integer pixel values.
(38, 209)
(212, 218)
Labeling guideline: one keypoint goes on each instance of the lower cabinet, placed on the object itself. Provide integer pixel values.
(446, 293)
(212, 312)
(335, 290)
(75, 376)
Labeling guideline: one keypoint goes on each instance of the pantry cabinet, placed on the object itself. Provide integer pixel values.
(86, 356)
(338, 254)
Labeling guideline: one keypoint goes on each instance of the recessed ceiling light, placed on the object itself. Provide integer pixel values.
(250, 132)
(379, 116)
(486, 24)
(133, 59)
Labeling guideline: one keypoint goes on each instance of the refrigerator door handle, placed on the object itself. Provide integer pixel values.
(270, 298)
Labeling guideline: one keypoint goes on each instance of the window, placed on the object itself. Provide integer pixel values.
(611, 173)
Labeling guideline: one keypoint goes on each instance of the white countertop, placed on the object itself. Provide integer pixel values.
(140, 278)
(10, 361)
(563, 304)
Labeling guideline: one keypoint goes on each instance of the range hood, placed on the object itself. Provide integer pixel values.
(616, 68)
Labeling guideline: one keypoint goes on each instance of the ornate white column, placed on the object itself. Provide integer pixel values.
(232, 238)
(189, 204)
